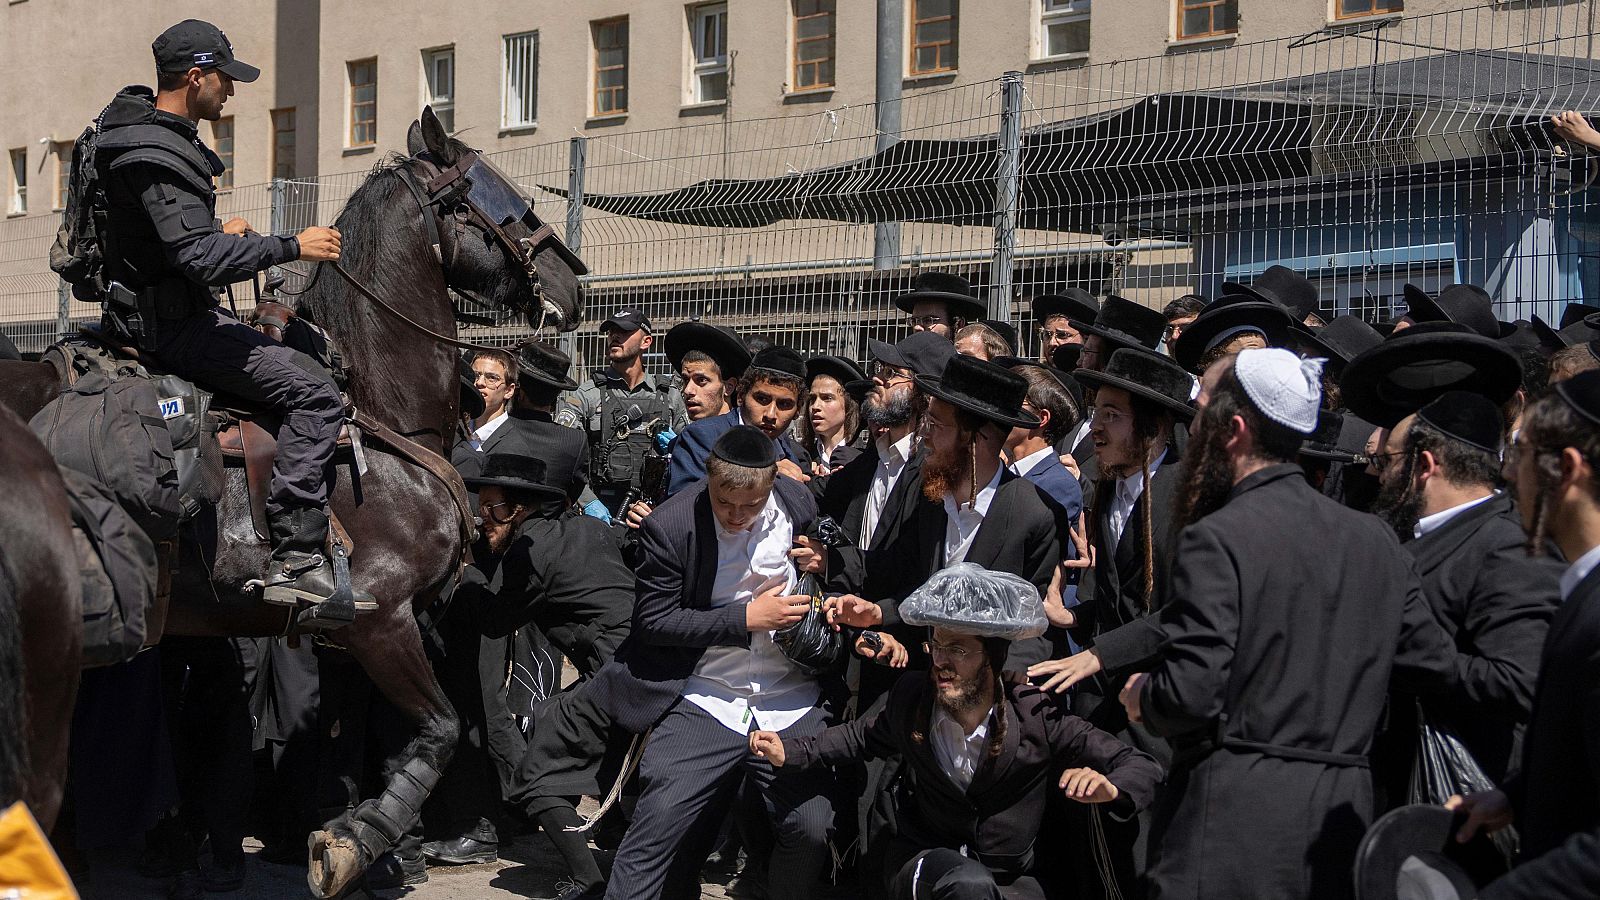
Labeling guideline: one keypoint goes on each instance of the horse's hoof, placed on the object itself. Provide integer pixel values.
(335, 862)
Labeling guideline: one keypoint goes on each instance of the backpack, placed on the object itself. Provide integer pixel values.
(78, 254)
(117, 561)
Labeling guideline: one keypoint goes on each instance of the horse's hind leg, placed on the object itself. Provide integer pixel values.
(391, 652)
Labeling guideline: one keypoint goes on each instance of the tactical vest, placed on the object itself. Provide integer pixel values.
(620, 437)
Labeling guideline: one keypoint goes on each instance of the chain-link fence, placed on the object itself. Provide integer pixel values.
(1368, 156)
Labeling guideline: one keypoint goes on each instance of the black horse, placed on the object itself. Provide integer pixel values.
(407, 236)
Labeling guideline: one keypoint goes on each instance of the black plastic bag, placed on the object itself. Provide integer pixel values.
(1445, 767)
(811, 643)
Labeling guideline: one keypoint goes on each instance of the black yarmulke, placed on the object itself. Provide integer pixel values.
(746, 445)
(1470, 418)
(782, 360)
(1582, 393)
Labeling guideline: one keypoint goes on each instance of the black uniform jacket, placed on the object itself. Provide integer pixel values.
(673, 623)
(565, 576)
(1557, 793)
(1290, 618)
(997, 817)
(846, 501)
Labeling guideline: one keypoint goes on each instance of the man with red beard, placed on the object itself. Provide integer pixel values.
(1278, 660)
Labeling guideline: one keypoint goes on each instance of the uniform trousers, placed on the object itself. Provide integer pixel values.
(688, 777)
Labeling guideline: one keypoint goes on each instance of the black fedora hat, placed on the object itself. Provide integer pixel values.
(1575, 312)
(1417, 365)
(718, 342)
(946, 287)
(543, 363)
(516, 472)
(1463, 304)
(843, 370)
(1339, 438)
(1126, 324)
(1283, 286)
(1410, 854)
(1147, 375)
(1077, 304)
(1340, 340)
(1582, 331)
(1065, 357)
(1227, 316)
(1535, 336)
(981, 387)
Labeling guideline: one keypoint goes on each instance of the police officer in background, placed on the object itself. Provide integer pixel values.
(165, 257)
(623, 410)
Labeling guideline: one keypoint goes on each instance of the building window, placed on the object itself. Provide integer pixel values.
(439, 73)
(933, 36)
(708, 30)
(1207, 18)
(19, 181)
(222, 144)
(813, 43)
(611, 67)
(1063, 28)
(283, 143)
(363, 102)
(519, 101)
(1351, 9)
(63, 151)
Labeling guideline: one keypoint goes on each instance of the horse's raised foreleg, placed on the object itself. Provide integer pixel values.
(391, 652)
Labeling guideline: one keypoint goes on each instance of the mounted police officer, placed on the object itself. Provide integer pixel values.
(623, 410)
(165, 256)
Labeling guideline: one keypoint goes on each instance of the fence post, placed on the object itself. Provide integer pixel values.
(577, 157)
(279, 218)
(1005, 196)
(890, 71)
(63, 302)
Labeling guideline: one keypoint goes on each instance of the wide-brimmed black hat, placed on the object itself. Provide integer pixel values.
(1463, 304)
(1340, 340)
(1126, 324)
(516, 472)
(1147, 375)
(1067, 382)
(1065, 357)
(981, 387)
(1581, 331)
(1410, 853)
(1575, 312)
(1417, 365)
(1076, 304)
(1533, 335)
(1283, 286)
(946, 287)
(746, 445)
(1340, 437)
(716, 341)
(843, 370)
(923, 352)
(1229, 315)
(543, 363)
(780, 359)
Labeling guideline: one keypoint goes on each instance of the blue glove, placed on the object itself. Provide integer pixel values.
(596, 509)
(664, 440)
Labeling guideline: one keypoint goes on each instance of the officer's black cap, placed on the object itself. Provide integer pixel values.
(193, 43)
(746, 445)
(627, 320)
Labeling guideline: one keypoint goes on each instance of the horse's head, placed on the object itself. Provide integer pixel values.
(494, 249)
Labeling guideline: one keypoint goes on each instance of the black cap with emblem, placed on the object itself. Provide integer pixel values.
(193, 43)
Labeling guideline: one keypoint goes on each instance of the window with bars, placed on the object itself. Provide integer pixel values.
(709, 33)
(1351, 9)
(19, 181)
(610, 66)
(222, 145)
(283, 143)
(1063, 28)
(519, 96)
(63, 152)
(439, 73)
(1207, 18)
(363, 102)
(813, 43)
(933, 36)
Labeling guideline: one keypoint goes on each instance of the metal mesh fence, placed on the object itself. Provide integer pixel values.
(1368, 156)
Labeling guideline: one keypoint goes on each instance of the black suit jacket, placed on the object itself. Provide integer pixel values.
(673, 622)
(846, 501)
(1557, 793)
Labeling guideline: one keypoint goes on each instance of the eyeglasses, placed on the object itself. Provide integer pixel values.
(947, 651)
(887, 374)
(488, 377)
(927, 321)
(1058, 334)
(1104, 415)
(1380, 461)
(490, 514)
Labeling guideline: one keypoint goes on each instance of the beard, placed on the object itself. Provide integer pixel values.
(895, 410)
(499, 537)
(1207, 473)
(963, 694)
(943, 470)
(1399, 503)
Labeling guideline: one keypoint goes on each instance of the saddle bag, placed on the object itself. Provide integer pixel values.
(117, 561)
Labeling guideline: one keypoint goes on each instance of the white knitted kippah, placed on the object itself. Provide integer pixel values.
(1286, 388)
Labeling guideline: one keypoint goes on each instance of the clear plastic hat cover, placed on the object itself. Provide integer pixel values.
(970, 599)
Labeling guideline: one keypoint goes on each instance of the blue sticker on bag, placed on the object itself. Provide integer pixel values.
(171, 407)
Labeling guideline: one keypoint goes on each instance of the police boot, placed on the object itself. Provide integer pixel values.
(300, 570)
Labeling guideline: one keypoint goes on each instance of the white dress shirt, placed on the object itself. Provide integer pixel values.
(1436, 521)
(961, 522)
(959, 754)
(738, 685)
(1078, 434)
(824, 455)
(1032, 461)
(1126, 495)
(891, 462)
(482, 432)
(1578, 571)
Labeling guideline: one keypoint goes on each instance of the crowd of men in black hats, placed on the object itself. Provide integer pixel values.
(1178, 605)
